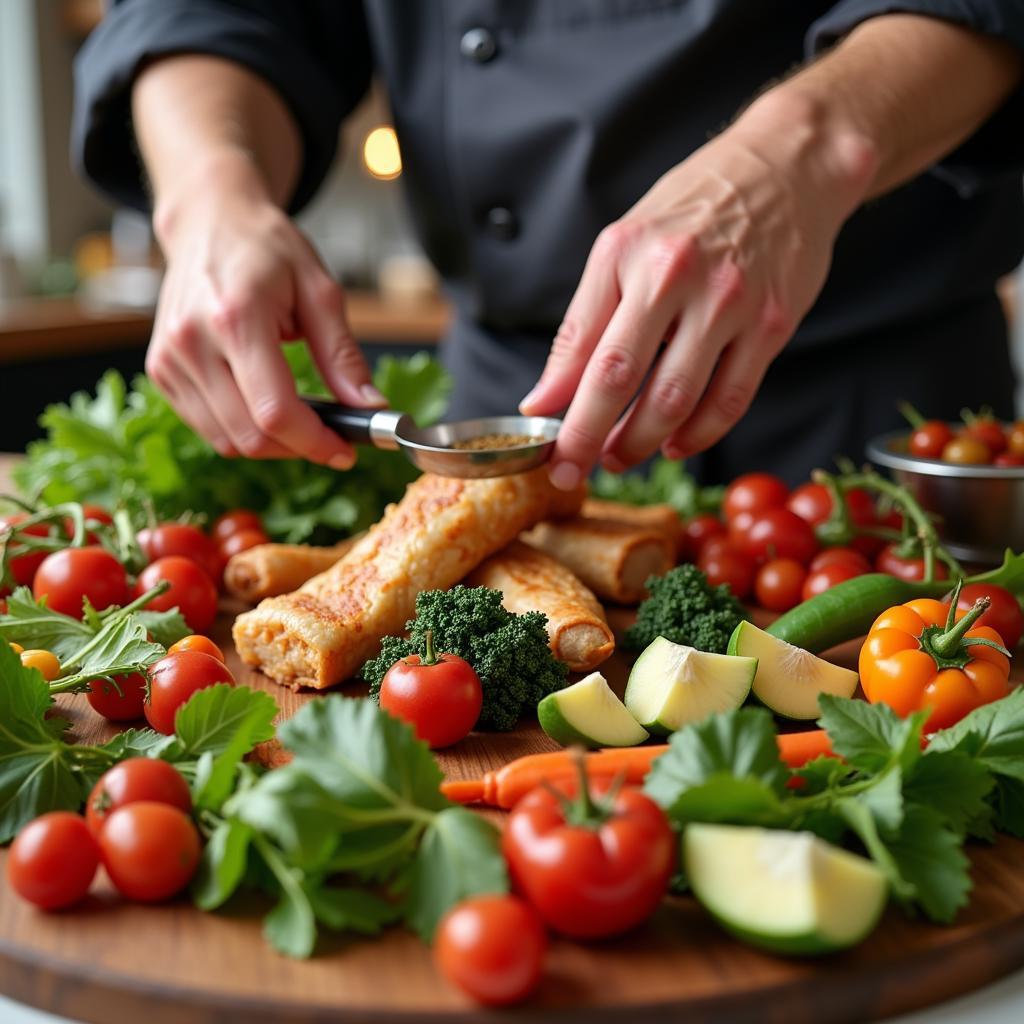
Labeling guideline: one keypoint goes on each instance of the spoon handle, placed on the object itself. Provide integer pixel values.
(360, 426)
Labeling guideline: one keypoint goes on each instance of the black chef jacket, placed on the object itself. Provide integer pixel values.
(526, 126)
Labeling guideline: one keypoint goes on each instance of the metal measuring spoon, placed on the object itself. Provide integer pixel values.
(430, 448)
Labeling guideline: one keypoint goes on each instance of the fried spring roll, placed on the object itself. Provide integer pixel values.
(271, 569)
(613, 559)
(441, 530)
(663, 518)
(529, 580)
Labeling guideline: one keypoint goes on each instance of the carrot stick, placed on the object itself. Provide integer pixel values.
(508, 784)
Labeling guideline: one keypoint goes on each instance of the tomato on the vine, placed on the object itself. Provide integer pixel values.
(891, 561)
(174, 678)
(53, 860)
(1004, 614)
(722, 562)
(23, 567)
(184, 540)
(491, 947)
(138, 778)
(695, 531)
(91, 513)
(191, 590)
(150, 850)
(235, 521)
(780, 533)
(779, 583)
(754, 492)
(122, 700)
(67, 577)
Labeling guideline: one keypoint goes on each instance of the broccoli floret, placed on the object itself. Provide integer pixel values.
(509, 652)
(683, 608)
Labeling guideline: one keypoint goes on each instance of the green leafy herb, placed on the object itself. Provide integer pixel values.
(509, 652)
(665, 482)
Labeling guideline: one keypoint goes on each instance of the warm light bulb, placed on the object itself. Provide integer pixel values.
(381, 154)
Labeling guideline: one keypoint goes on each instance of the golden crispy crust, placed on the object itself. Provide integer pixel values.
(530, 580)
(271, 569)
(440, 530)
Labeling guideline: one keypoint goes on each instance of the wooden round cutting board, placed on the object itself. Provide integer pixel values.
(112, 962)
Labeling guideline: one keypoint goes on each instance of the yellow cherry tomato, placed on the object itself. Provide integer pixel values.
(45, 661)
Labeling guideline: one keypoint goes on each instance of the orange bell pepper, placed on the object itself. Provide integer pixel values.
(926, 655)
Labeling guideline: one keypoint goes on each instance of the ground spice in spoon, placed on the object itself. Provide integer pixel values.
(491, 442)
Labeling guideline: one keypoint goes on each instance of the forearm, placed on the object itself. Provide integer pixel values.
(205, 124)
(910, 89)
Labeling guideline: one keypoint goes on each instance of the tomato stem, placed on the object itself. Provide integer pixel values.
(430, 657)
(910, 414)
(946, 644)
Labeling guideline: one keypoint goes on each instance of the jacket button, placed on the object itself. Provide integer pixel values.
(478, 44)
(501, 223)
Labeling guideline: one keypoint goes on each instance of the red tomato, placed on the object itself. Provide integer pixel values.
(241, 541)
(754, 492)
(823, 579)
(94, 513)
(53, 860)
(197, 642)
(696, 530)
(725, 563)
(150, 850)
(66, 577)
(185, 540)
(928, 440)
(1015, 438)
(235, 521)
(988, 430)
(1008, 459)
(906, 568)
(138, 778)
(173, 679)
(813, 503)
(23, 567)
(121, 703)
(595, 878)
(491, 947)
(778, 584)
(715, 545)
(439, 697)
(779, 533)
(192, 591)
(1004, 615)
(738, 527)
(837, 556)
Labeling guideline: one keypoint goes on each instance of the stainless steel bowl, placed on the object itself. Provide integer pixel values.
(980, 508)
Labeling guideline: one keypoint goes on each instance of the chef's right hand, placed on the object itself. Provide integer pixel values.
(240, 280)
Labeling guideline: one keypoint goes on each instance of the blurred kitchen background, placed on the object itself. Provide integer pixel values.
(79, 278)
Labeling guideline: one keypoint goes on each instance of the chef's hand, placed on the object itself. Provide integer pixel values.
(719, 261)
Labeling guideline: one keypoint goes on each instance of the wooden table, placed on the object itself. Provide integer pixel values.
(113, 962)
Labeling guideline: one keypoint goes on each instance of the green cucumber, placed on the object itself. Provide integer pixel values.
(588, 712)
(789, 680)
(672, 685)
(787, 892)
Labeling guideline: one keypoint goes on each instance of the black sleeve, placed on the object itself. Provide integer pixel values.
(996, 150)
(315, 53)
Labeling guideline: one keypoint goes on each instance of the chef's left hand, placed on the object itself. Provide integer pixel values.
(719, 261)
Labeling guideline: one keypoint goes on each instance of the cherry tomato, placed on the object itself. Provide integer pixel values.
(53, 860)
(986, 429)
(23, 567)
(779, 533)
(67, 577)
(928, 440)
(138, 778)
(192, 591)
(241, 541)
(44, 661)
(440, 697)
(696, 530)
(966, 451)
(590, 875)
(198, 642)
(725, 563)
(121, 703)
(715, 545)
(174, 678)
(1008, 459)
(1015, 438)
(838, 556)
(738, 527)
(94, 513)
(813, 503)
(1004, 615)
(820, 580)
(778, 584)
(491, 947)
(150, 850)
(185, 540)
(906, 568)
(235, 521)
(754, 492)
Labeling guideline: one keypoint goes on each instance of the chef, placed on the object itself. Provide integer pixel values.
(729, 230)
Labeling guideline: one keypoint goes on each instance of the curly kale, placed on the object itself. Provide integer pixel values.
(509, 652)
(683, 608)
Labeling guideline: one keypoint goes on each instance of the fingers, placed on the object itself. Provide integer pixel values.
(321, 311)
(584, 322)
